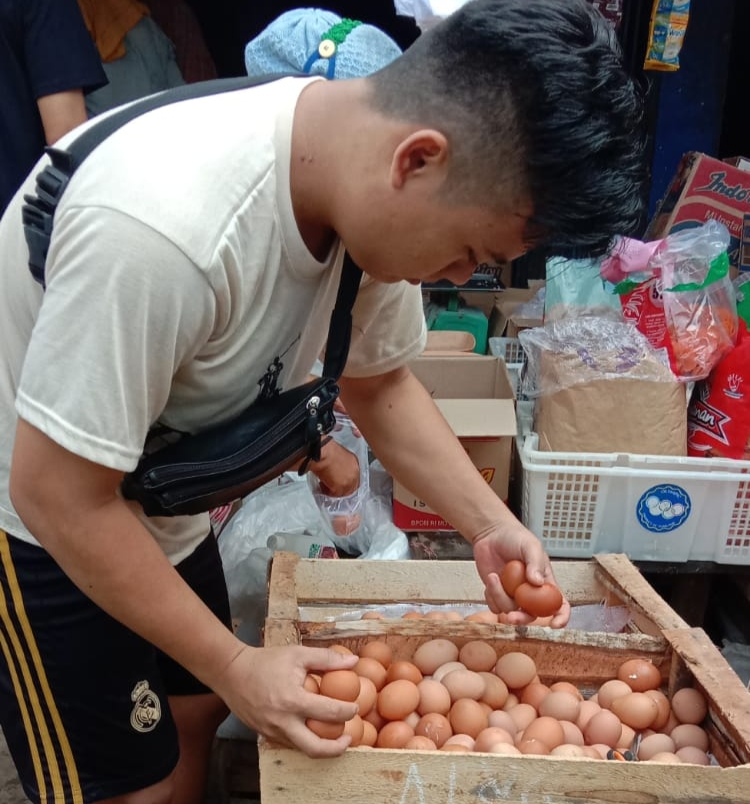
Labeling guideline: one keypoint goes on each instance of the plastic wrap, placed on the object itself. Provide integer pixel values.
(573, 351)
(575, 288)
(344, 514)
(699, 300)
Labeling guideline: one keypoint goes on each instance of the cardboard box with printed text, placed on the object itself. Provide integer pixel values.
(475, 395)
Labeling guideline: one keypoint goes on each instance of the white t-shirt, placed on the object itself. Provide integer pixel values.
(175, 276)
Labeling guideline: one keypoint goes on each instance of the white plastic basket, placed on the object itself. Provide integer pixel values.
(652, 508)
(511, 351)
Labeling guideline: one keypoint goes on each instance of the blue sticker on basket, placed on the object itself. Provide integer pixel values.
(663, 508)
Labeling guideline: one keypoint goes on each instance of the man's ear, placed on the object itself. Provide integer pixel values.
(422, 152)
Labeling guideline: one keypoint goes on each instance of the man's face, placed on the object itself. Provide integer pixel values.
(436, 241)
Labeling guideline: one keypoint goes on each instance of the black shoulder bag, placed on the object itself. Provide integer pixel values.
(277, 431)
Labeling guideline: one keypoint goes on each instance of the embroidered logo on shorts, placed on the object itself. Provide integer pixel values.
(147, 710)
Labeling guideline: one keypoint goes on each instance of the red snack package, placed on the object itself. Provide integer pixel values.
(719, 412)
(643, 305)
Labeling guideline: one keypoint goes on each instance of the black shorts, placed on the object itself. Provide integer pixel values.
(83, 700)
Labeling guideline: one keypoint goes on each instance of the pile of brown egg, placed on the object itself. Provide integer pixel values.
(467, 699)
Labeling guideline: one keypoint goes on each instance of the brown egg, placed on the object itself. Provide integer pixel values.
(689, 706)
(369, 734)
(665, 756)
(374, 717)
(568, 750)
(566, 686)
(591, 753)
(368, 667)
(491, 736)
(534, 693)
(602, 749)
(378, 650)
(573, 735)
(340, 684)
(504, 749)
(395, 734)
(433, 697)
(561, 706)
(662, 703)
(516, 669)
(453, 615)
(655, 744)
(324, 729)
(413, 615)
(604, 727)
(436, 614)
(636, 710)
(467, 717)
(461, 739)
(403, 670)
(463, 684)
(495, 691)
(689, 734)
(355, 728)
(586, 711)
(671, 723)
(478, 656)
(342, 649)
(310, 684)
(640, 675)
(610, 690)
(538, 601)
(626, 738)
(532, 746)
(522, 714)
(547, 730)
(446, 668)
(430, 655)
(372, 615)
(692, 755)
(502, 720)
(510, 702)
(456, 748)
(368, 695)
(488, 617)
(512, 576)
(420, 743)
(397, 699)
(434, 726)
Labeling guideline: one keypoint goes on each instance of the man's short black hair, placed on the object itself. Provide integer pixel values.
(536, 104)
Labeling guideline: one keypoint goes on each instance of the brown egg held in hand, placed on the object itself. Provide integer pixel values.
(538, 601)
(513, 574)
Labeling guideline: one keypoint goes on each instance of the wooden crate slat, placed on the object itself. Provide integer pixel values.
(414, 777)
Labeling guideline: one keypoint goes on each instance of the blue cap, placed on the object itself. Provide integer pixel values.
(313, 41)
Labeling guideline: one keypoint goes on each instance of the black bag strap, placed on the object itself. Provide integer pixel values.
(39, 210)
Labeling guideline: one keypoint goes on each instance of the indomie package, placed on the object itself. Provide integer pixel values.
(719, 412)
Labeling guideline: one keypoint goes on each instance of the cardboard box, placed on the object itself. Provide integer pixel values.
(503, 320)
(305, 596)
(646, 415)
(705, 188)
(475, 394)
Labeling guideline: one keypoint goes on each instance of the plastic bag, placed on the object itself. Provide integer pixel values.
(572, 351)
(344, 514)
(574, 288)
(699, 301)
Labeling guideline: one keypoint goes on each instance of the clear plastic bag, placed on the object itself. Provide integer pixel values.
(700, 304)
(344, 514)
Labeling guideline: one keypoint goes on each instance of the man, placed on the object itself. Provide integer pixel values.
(47, 61)
(194, 247)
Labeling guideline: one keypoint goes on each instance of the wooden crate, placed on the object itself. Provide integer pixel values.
(684, 656)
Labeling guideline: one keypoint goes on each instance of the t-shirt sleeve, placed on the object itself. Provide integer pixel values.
(123, 310)
(59, 52)
(388, 328)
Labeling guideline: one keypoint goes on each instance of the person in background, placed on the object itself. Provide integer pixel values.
(137, 56)
(47, 63)
(191, 251)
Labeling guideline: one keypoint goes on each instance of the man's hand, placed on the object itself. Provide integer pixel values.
(264, 689)
(493, 550)
(337, 470)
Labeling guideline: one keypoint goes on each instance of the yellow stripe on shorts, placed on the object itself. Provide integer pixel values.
(28, 694)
